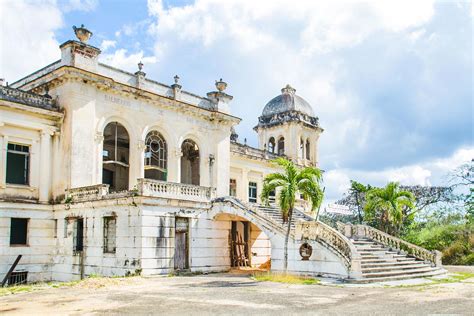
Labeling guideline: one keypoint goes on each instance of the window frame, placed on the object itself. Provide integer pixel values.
(252, 186)
(27, 157)
(27, 231)
(106, 237)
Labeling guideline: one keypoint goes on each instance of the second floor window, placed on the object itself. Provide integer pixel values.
(18, 164)
(155, 156)
(252, 192)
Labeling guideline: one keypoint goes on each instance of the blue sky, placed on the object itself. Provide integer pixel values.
(391, 81)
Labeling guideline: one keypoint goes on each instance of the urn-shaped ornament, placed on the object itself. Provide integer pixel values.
(221, 85)
(82, 33)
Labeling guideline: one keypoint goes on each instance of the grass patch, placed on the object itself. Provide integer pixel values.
(284, 278)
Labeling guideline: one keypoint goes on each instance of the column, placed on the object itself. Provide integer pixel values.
(99, 144)
(244, 186)
(174, 165)
(44, 184)
(141, 161)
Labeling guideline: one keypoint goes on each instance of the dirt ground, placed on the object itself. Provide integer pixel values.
(238, 294)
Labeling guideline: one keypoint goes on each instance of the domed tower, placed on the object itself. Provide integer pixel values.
(288, 126)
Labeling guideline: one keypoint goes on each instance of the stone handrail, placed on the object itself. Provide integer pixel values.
(88, 193)
(156, 188)
(28, 98)
(397, 244)
(318, 231)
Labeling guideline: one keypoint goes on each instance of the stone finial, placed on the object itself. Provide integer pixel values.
(176, 79)
(221, 85)
(288, 90)
(82, 33)
(140, 66)
(176, 88)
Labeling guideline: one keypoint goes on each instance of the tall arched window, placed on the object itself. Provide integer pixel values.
(308, 150)
(281, 146)
(271, 145)
(115, 157)
(156, 154)
(190, 163)
(301, 151)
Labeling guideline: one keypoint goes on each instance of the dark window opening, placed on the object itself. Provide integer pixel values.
(252, 192)
(17, 278)
(19, 231)
(190, 163)
(308, 150)
(78, 237)
(155, 156)
(301, 153)
(281, 146)
(272, 197)
(115, 156)
(18, 164)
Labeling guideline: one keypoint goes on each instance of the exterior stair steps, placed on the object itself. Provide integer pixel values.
(381, 264)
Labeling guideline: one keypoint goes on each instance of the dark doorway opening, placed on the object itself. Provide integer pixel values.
(239, 244)
(181, 237)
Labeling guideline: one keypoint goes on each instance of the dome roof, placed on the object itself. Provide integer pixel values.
(287, 101)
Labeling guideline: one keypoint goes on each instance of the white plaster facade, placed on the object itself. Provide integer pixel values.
(64, 132)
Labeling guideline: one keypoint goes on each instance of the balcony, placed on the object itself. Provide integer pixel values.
(145, 187)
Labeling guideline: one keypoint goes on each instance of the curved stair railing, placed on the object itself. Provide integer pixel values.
(392, 242)
(333, 239)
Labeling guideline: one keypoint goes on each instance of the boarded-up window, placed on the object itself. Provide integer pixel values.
(252, 192)
(233, 187)
(110, 228)
(18, 164)
(19, 231)
(78, 236)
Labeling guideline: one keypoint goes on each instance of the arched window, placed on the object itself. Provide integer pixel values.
(271, 145)
(190, 163)
(115, 157)
(308, 150)
(281, 146)
(301, 151)
(156, 154)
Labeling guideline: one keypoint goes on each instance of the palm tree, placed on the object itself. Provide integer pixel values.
(293, 181)
(389, 204)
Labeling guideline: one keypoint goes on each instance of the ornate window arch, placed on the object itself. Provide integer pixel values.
(190, 162)
(281, 145)
(308, 150)
(156, 156)
(271, 145)
(115, 156)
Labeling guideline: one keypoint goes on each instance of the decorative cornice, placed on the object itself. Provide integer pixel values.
(286, 117)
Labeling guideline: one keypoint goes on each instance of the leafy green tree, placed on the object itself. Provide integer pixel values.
(292, 182)
(389, 206)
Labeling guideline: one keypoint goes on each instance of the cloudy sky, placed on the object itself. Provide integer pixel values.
(391, 81)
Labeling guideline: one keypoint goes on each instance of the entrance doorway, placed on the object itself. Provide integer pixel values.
(181, 238)
(239, 244)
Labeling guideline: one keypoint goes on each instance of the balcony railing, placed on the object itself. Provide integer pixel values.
(145, 187)
(155, 188)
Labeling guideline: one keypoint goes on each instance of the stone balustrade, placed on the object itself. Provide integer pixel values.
(145, 187)
(391, 242)
(16, 95)
(156, 188)
(318, 231)
(88, 193)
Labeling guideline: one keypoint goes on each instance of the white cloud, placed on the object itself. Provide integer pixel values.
(27, 39)
(337, 181)
(106, 44)
(128, 61)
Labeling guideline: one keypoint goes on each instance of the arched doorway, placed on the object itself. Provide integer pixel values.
(190, 163)
(115, 157)
(271, 145)
(156, 156)
(281, 146)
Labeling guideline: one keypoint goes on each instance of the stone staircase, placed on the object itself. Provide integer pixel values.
(274, 214)
(381, 264)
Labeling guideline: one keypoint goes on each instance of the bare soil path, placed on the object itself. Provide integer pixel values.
(238, 295)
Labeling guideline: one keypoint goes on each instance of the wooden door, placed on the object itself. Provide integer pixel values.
(181, 243)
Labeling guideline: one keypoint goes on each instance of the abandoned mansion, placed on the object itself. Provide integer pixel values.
(110, 173)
